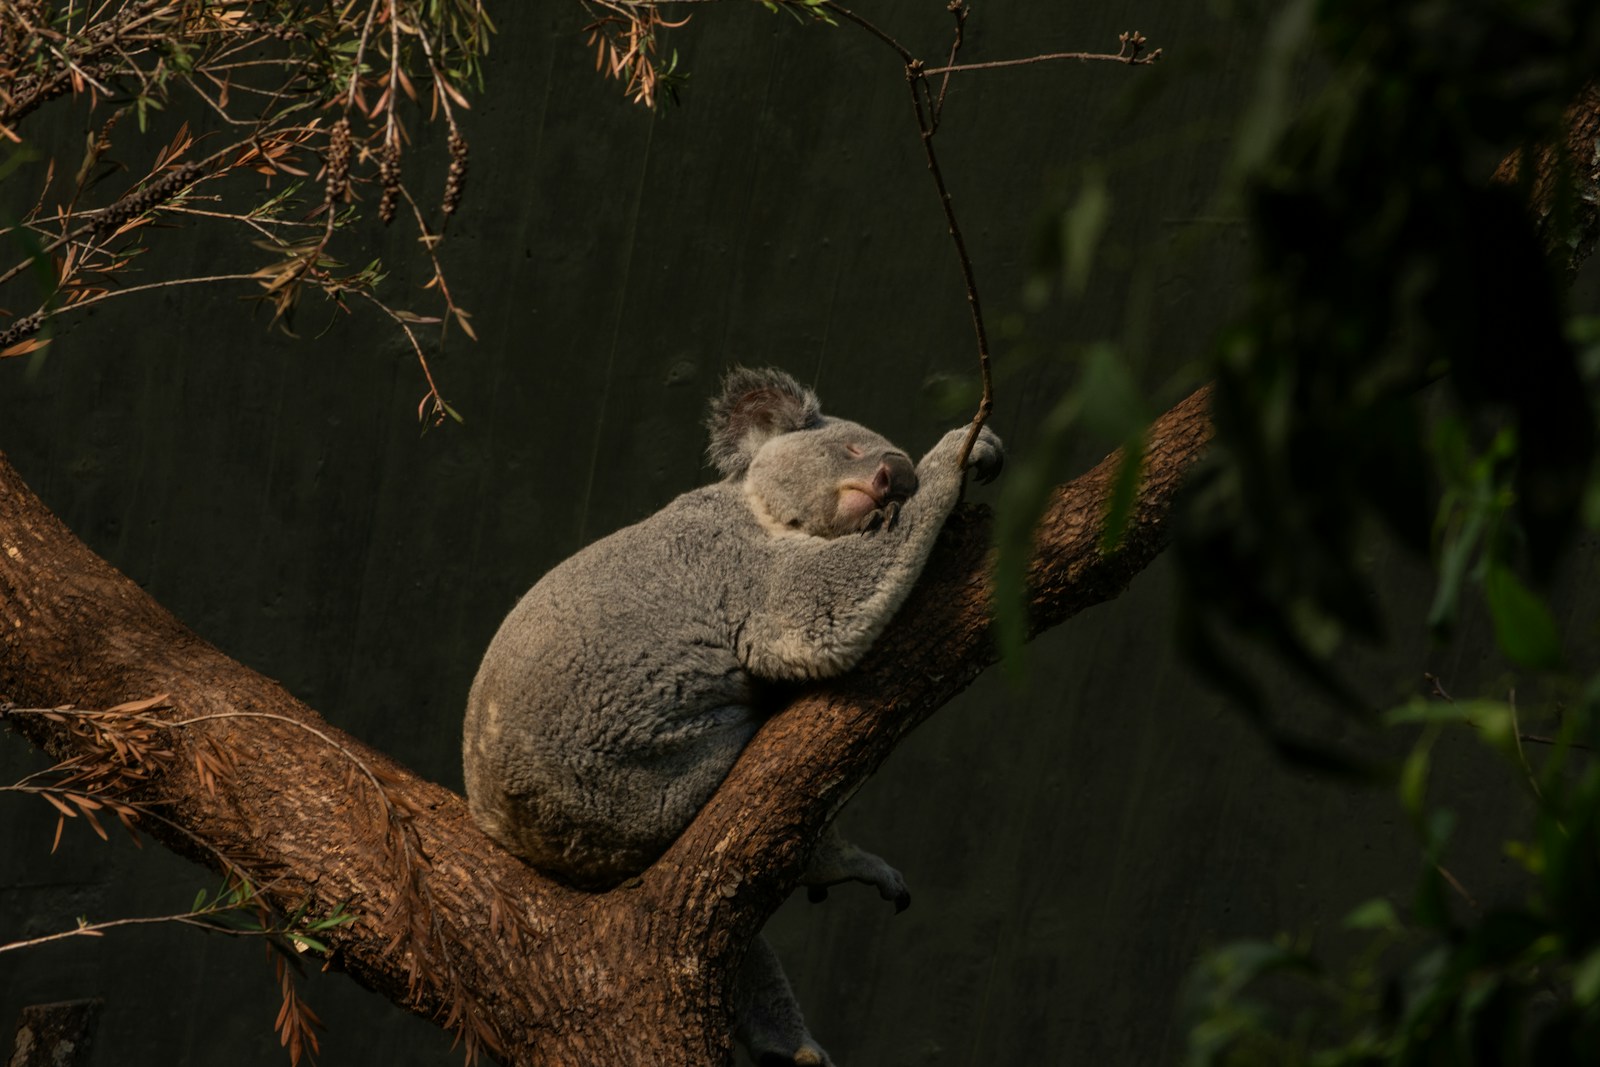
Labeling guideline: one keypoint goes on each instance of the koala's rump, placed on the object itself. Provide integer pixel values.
(610, 704)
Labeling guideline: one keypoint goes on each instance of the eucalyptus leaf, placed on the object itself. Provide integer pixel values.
(1082, 225)
(1523, 625)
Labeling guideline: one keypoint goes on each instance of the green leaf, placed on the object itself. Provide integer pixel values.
(1234, 966)
(1586, 980)
(1022, 500)
(1081, 227)
(308, 942)
(1414, 774)
(1119, 509)
(1454, 555)
(1112, 408)
(1431, 906)
(1109, 399)
(1436, 832)
(1375, 914)
(1497, 726)
(1420, 710)
(1523, 625)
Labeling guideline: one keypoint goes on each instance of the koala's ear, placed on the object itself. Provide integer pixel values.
(756, 406)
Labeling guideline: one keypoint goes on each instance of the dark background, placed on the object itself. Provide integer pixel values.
(1072, 841)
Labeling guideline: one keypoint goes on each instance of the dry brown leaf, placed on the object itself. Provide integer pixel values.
(22, 348)
(60, 805)
(134, 706)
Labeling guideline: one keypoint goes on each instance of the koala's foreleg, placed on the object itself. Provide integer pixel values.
(836, 860)
(825, 601)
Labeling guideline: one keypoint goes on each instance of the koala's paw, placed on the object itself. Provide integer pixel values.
(890, 883)
(987, 457)
(881, 519)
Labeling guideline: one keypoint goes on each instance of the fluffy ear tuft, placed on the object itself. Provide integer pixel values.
(756, 406)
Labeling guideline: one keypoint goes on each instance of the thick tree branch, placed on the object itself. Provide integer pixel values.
(1568, 218)
(449, 922)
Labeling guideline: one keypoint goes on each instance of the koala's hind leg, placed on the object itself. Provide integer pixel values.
(836, 860)
(767, 1020)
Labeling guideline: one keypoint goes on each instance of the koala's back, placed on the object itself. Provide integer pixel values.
(611, 703)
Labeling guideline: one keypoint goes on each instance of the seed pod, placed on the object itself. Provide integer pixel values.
(456, 180)
(21, 330)
(139, 201)
(389, 179)
(338, 163)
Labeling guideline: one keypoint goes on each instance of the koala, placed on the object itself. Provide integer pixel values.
(622, 687)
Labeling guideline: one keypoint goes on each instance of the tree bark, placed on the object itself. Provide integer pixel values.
(1566, 217)
(451, 926)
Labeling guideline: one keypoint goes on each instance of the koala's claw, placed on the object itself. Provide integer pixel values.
(817, 893)
(902, 902)
(881, 518)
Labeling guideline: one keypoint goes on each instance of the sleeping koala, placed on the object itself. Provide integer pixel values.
(619, 691)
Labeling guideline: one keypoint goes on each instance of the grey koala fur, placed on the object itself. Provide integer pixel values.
(622, 687)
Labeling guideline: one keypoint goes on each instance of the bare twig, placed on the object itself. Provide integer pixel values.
(928, 107)
(960, 10)
(850, 16)
(916, 79)
(1086, 57)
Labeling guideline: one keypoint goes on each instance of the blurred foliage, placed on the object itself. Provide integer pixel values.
(1108, 406)
(1455, 982)
(1403, 368)
(1403, 363)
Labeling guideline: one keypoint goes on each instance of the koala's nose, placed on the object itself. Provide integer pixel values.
(896, 478)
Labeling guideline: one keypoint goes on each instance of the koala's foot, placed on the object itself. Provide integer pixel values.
(810, 1055)
(767, 1021)
(836, 860)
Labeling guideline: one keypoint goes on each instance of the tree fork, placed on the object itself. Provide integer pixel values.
(448, 921)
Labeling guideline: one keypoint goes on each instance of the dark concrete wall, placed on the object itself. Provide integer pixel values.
(1072, 843)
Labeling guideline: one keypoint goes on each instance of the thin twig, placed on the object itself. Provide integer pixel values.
(960, 10)
(916, 79)
(845, 13)
(1455, 884)
(997, 64)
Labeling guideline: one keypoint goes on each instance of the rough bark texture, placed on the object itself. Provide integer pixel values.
(1566, 217)
(55, 1035)
(453, 926)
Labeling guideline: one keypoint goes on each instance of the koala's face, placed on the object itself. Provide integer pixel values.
(832, 479)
